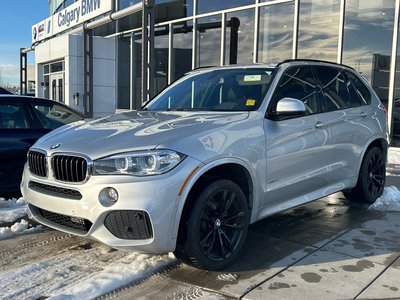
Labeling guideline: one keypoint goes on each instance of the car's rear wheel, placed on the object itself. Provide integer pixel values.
(217, 226)
(371, 179)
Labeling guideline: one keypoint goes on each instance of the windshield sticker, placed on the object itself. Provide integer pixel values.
(252, 78)
(250, 102)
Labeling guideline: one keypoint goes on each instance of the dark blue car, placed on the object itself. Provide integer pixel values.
(22, 121)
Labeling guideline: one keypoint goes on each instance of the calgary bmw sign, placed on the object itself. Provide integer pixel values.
(75, 14)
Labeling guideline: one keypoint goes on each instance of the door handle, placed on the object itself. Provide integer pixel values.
(364, 114)
(320, 125)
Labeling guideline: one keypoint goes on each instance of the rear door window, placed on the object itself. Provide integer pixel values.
(338, 91)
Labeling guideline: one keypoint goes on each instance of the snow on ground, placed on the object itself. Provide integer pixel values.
(389, 201)
(79, 274)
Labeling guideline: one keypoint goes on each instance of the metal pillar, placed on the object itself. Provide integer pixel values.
(234, 23)
(88, 72)
(148, 16)
(23, 76)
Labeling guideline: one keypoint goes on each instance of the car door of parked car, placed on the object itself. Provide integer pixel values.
(298, 148)
(17, 133)
(348, 101)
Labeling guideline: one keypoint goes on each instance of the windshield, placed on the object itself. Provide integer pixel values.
(216, 90)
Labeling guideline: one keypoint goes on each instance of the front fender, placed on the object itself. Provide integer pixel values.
(197, 174)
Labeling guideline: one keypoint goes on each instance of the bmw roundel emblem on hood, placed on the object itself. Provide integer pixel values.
(55, 146)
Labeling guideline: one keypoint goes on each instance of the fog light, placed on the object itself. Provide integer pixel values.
(108, 196)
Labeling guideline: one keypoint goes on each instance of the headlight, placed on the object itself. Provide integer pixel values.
(140, 163)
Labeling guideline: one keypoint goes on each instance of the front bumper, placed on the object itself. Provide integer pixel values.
(152, 201)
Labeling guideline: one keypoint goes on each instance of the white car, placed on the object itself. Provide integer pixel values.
(217, 150)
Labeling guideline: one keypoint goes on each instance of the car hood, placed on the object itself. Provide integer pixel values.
(135, 130)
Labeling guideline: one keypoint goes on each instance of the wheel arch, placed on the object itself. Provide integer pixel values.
(232, 170)
(380, 143)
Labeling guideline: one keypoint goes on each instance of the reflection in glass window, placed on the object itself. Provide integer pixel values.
(160, 58)
(395, 128)
(204, 6)
(275, 37)
(367, 41)
(362, 91)
(124, 62)
(209, 41)
(167, 10)
(182, 51)
(339, 92)
(239, 37)
(129, 22)
(299, 83)
(318, 29)
(125, 3)
(52, 115)
(12, 116)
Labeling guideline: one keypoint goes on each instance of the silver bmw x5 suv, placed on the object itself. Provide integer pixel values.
(214, 152)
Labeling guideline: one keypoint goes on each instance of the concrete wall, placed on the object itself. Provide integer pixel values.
(70, 49)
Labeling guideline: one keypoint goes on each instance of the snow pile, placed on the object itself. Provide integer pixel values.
(394, 156)
(11, 210)
(18, 228)
(389, 201)
(6, 232)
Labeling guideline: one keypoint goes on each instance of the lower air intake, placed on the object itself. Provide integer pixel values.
(129, 224)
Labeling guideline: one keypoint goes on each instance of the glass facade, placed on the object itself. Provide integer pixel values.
(208, 41)
(182, 41)
(370, 56)
(191, 34)
(239, 37)
(275, 34)
(318, 35)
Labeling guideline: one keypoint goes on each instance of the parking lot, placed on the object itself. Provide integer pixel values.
(328, 249)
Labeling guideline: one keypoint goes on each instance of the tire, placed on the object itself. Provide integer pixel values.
(216, 228)
(371, 179)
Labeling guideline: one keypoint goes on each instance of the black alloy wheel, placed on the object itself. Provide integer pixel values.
(371, 179)
(217, 226)
(376, 174)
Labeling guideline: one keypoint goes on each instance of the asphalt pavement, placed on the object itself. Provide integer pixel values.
(327, 249)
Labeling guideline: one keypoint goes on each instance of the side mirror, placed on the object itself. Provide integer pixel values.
(290, 107)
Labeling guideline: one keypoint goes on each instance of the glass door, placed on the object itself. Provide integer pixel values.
(57, 87)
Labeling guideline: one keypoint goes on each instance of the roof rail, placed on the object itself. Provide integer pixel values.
(313, 60)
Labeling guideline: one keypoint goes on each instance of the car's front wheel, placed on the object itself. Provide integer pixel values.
(371, 179)
(217, 226)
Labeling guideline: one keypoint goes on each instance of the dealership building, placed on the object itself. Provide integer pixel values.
(102, 56)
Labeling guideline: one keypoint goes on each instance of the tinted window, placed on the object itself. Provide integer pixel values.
(52, 115)
(300, 83)
(338, 91)
(362, 91)
(12, 116)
